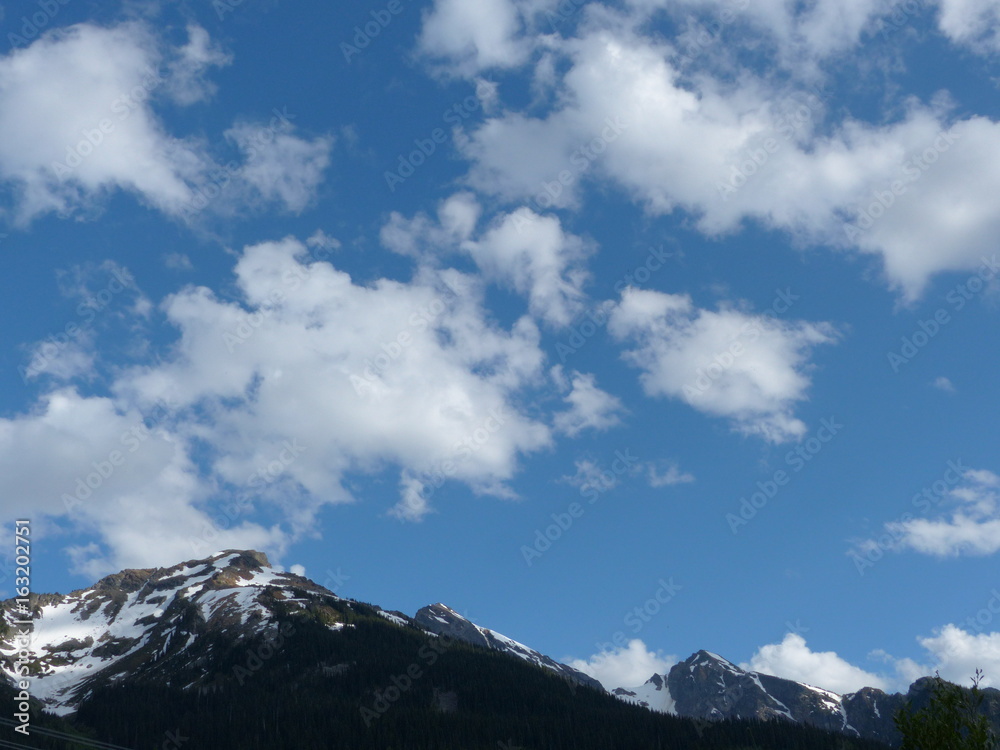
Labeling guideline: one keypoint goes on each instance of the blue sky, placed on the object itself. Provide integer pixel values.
(626, 329)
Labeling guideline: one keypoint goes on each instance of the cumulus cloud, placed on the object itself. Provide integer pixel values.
(279, 166)
(912, 192)
(624, 666)
(466, 39)
(953, 652)
(187, 83)
(750, 369)
(526, 252)
(974, 23)
(119, 472)
(797, 36)
(792, 659)
(590, 407)
(54, 96)
(78, 121)
(269, 401)
(957, 654)
(971, 528)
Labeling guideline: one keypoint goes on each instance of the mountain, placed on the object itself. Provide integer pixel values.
(227, 652)
(707, 686)
(155, 621)
(437, 618)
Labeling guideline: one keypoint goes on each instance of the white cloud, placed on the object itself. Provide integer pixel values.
(913, 192)
(186, 82)
(422, 237)
(54, 96)
(793, 660)
(523, 251)
(302, 382)
(64, 361)
(944, 384)
(291, 358)
(627, 666)
(413, 504)
(590, 407)
(972, 528)
(78, 121)
(957, 654)
(750, 369)
(117, 472)
(954, 653)
(671, 476)
(473, 37)
(798, 36)
(178, 262)
(534, 256)
(281, 167)
(590, 475)
(975, 23)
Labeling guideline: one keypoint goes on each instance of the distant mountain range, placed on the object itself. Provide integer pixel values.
(142, 649)
(707, 686)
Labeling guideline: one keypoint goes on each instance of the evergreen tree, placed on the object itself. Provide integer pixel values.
(951, 721)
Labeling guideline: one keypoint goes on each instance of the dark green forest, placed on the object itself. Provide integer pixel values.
(375, 684)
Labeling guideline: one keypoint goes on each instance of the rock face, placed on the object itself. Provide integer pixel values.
(437, 618)
(158, 624)
(705, 686)
(151, 621)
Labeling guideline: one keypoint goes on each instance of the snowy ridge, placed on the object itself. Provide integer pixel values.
(79, 635)
(440, 619)
(653, 694)
(707, 686)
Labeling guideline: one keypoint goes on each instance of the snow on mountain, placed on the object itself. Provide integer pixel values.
(440, 619)
(154, 624)
(707, 686)
(653, 694)
(139, 615)
(155, 620)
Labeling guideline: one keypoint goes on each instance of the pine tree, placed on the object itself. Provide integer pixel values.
(951, 721)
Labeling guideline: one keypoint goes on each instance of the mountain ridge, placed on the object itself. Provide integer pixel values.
(168, 627)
